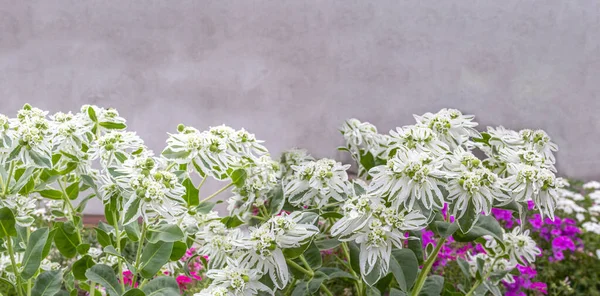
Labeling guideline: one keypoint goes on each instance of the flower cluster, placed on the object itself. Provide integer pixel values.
(161, 231)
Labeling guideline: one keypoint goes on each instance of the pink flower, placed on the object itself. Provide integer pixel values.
(183, 281)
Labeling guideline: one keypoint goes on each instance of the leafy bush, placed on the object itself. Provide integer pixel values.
(297, 226)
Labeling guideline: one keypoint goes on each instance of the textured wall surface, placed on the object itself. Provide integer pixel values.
(292, 71)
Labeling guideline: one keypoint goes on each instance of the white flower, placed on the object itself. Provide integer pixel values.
(22, 207)
(591, 185)
(540, 141)
(217, 242)
(316, 182)
(265, 244)
(113, 144)
(292, 230)
(214, 291)
(479, 187)
(48, 265)
(262, 175)
(593, 227)
(377, 229)
(264, 254)
(293, 157)
(520, 247)
(94, 252)
(410, 178)
(416, 137)
(530, 183)
(238, 280)
(569, 206)
(450, 125)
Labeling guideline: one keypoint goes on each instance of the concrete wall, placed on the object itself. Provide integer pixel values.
(292, 71)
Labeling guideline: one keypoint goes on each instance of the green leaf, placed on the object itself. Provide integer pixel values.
(313, 256)
(112, 251)
(301, 289)
(7, 223)
(48, 244)
(41, 160)
(154, 256)
(396, 292)
(28, 187)
(486, 225)
(433, 286)
(315, 282)
(81, 266)
(73, 190)
(105, 276)
(47, 284)
(415, 245)
(334, 215)
(170, 154)
(231, 221)
(191, 193)
(405, 267)
(205, 207)
(133, 231)
(468, 219)
(92, 114)
(33, 252)
(276, 200)
(485, 139)
(161, 286)
(113, 125)
(103, 237)
(23, 177)
(132, 210)
(82, 249)
(238, 177)
(134, 292)
(354, 256)
(65, 239)
(165, 233)
(372, 291)
(293, 253)
(51, 194)
(327, 244)
(335, 273)
(179, 249)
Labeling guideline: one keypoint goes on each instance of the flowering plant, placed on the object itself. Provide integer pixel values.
(284, 217)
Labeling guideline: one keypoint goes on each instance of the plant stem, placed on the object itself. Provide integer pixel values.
(299, 268)
(308, 271)
(201, 183)
(30, 280)
(118, 235)
(71, 212)
(14, 264)
(9, 176)
(265, 211)
(304, 262)
(92, 289)
(139, 253)
(358, 284)
(217, 193)
(289, 290)
(324, 288)
(427, 267)
(475, 286)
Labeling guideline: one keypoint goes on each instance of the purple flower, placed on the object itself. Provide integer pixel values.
(563, 243)
(536, 222)
(540, 287)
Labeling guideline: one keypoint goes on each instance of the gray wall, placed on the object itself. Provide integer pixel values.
(292, 71)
